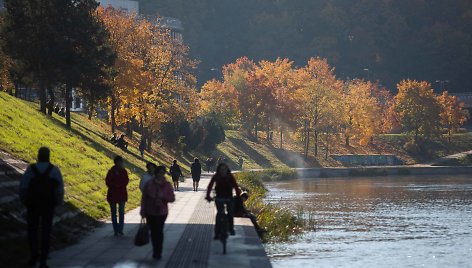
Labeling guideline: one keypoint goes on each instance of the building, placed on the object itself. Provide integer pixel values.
(127, 5)
(174, 25)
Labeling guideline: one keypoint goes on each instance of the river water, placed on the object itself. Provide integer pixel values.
(412, 221)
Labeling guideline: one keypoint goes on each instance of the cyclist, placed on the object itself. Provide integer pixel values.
(225, 183)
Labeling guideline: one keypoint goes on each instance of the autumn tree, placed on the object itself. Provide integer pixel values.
(322, 96)
(364, 111)
(219, 101)
(453, 114)
(418, 108)
(152, 76)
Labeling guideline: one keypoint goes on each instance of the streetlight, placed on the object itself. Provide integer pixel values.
(441, 83)
(368, 74)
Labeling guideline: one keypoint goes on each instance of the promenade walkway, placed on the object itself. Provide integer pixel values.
(188, 240)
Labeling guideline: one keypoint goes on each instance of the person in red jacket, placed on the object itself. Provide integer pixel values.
(117, 180)
(157, 192)
(225, 183)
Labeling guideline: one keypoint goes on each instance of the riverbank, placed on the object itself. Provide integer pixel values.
(382, 171)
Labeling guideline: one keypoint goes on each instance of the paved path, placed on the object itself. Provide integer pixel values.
(187, 240)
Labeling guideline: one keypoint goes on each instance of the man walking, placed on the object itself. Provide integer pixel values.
(41, 190)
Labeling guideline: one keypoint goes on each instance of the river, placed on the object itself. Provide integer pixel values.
(411, 221)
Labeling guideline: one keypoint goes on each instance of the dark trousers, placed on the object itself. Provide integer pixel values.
(36, 218)
(118, 224)
(220, 207)
(156, 225)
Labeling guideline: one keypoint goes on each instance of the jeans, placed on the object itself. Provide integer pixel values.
(156, 225)
(118, 225)
(220, 207)
(36, 217)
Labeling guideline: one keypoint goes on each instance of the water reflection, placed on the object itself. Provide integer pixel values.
(379, 222)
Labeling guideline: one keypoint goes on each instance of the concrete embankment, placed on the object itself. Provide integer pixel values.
(382, 171)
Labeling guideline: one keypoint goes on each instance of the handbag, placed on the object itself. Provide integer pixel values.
(182, 179)
(142, 236)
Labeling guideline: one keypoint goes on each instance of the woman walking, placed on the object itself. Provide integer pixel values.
(156, 194)
(196, 169)
(176, 173)
(117, 180)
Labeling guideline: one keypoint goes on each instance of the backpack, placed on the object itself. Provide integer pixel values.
(42, 189)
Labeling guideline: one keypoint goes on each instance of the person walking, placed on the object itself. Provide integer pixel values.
(196, 170)
(225, 183)
(156, 194)
(240, 162)
(41, 191)
(142, 146)
(148, 175)
(176, 173)
(117, 180)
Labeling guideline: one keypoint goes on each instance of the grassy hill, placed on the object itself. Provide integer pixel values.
(85, 155)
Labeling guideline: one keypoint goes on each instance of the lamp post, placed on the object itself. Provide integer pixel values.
(368, 74)
(441, 83)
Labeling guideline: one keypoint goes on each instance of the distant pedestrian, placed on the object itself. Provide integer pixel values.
(196, 170)
(62, 112)
(176, 173)
(156, 194)
(57, 108)
(41, 191)
(241, 162)
(208, 164)
(225, 183)
(148, 175)
(117, 180)
(114, 139)
(142, 146)
(122, 143)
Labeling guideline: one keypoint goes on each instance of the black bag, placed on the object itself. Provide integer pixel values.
(142, 236)
(42, 188)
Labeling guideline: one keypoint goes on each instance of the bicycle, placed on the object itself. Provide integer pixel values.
(221, 223)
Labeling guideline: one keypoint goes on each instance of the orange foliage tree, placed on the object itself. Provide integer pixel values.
(453, 115)
(418, 108)
(153, 82)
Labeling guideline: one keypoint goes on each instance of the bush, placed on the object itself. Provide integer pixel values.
(279, 222)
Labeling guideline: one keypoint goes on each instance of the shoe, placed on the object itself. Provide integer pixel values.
(216, 237)
(156, 257)
(116, 234)
(121, 233)
(232, 232)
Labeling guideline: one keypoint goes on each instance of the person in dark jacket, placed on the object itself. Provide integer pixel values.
(122, 143)
(156, 194)
(196, 169)
(241, 211)
(117, 180)
(225, 183)
(176, 173)
(41, 212)
(142, 146)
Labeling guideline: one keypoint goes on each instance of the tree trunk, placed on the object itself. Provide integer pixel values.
(17, 85)
(149, 139)
(347, 141)
(281, 136)
(307, 138)
(255, 129)
(129, 130)
(112, 113)
(42, 95)
(327, 146)
(91, 105)
(68, 105)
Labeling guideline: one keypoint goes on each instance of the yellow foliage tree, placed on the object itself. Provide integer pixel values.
(418, 108)
(453, 115)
